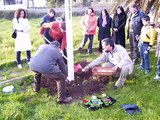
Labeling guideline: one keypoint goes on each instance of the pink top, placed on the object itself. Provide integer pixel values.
(89, 24)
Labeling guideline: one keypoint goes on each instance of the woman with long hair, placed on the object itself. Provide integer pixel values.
(104, 23)
(118, 26)
(22, 41)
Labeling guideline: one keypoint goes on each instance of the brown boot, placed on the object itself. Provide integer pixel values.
(65, 101)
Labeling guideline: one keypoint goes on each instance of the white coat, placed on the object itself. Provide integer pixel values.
(22, 41)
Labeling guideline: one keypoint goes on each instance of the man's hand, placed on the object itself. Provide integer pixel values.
(41, 35)
(61, 51)
(115, 29)
(137, 37)
(85, 69)
(148, 48)
(115, 68)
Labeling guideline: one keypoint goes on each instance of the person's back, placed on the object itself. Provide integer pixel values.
(46, 59)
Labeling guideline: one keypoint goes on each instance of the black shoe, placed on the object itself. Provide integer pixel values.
(79, 49)
(65, 101)
(114, 87)
(89, 52)
(36, 87)
(134, 61)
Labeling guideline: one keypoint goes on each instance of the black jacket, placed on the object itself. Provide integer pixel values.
(119, 22)
(136, 22)
(104, 32)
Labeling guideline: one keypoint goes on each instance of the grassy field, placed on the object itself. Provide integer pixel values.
(24, 104)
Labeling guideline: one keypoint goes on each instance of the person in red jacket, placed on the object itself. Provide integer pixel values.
(57, 32)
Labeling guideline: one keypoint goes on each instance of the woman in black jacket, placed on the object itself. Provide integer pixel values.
(104, 23)
(118, 26)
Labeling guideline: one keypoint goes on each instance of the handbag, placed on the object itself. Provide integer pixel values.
(14, 34)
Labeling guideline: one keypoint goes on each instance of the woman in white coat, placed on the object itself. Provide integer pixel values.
(22, 41)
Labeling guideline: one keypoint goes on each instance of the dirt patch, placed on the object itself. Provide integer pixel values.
(84, 84)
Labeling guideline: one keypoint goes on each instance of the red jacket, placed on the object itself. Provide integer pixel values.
(56, 33)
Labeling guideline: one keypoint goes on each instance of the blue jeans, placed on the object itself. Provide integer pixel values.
(85, 38)
(158, 67)
(144, 55)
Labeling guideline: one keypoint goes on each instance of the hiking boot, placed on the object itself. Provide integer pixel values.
(157, 78)
(35, 87)
(114, 87)
(65, 101)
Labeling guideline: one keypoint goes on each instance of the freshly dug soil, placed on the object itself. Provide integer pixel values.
(84, 84)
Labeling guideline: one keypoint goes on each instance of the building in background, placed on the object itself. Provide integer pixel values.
(14, 4)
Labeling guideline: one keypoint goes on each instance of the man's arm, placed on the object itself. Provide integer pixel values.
(44, 26)
(96, 62)
(63, 44)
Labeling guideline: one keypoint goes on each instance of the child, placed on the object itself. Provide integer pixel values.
(147, 38)
(157, 77)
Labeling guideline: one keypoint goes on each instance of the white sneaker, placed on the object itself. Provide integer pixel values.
(19, 66)
(157, 77)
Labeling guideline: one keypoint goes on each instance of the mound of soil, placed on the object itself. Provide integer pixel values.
(84, 84)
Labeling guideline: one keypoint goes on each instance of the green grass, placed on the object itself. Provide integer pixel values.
(24, 104)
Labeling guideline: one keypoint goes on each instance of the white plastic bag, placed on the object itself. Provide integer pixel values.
(8, 89)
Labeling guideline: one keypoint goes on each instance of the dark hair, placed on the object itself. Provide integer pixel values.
(106, 12)
(121, 8)
(108, 41)
(18, 12)
(63, 25)
(88, 9)
(146, 18)
(52, 11)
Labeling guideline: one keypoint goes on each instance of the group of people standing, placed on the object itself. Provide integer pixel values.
(105, 24)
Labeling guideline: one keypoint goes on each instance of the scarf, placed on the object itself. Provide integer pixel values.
(104, 21)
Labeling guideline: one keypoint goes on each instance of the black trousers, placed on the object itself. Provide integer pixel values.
(18, 56)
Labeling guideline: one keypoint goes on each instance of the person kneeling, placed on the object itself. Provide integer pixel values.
(48, 61)
(114, 56)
